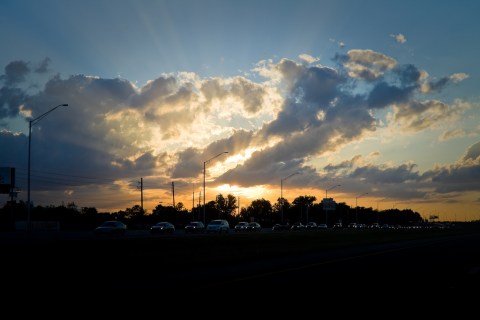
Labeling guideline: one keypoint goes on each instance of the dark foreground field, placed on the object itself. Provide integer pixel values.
(342, 263)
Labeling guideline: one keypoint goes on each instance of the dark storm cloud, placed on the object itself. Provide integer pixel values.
(389, 175)
(405, 182)
(84, 121)
(43, 66)
(401, 182)
(463, 176)
(145, 162)
(79, 136)
(189, 164)
(384, 94)
(116, 91)
(237, 142)
(312, 92)
(408, 74)
(454, 178)
(293, 117)
(155, 90)
(399, 88)
(15, 72)
(14, 149)
(10, 101)
(319, 85)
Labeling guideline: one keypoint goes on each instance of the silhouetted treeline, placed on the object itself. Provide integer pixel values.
(302, 209)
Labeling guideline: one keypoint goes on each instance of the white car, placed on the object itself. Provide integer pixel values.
(218, 226)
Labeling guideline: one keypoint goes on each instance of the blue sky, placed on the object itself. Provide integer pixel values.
(378, 96)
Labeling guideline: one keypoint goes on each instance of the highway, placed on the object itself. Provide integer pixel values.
(268, 263)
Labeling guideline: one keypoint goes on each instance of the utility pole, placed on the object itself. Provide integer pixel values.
(141, 193)
(173, 193)
(193, 196)
(199, 199)
(193, 201)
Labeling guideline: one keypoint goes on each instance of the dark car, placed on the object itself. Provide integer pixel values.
(111, 228)
(281, 227)
(195, 227)
(241, 226)
(254, 226)
(297, 226)
(162, 228)
(311, 225)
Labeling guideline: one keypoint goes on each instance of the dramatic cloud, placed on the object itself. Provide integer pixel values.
(166, 129)
(15, 72)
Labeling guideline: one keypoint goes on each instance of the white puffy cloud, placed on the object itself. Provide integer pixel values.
(399, 38)
(367, 64)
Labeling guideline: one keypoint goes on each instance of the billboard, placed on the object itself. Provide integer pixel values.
(7, 179)
(329, 204)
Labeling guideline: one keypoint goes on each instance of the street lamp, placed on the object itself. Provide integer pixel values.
(326, 191)
(326, 209)
(356, 206)
(204, 163)
(281, 192)
(30, 124)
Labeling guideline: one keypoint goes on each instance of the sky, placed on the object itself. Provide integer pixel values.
(372, 103)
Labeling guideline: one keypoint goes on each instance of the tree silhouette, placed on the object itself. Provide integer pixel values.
(259, 210)
(226, 206)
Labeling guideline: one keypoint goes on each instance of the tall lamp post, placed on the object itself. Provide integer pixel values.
(326, 196)
(204, 163)
(356, 206)
(281, 192)
(30, 125)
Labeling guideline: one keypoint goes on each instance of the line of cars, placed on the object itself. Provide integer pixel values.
(215, 226)
(248, 227)
(221, 226)
(115, 227)
(299, 226)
